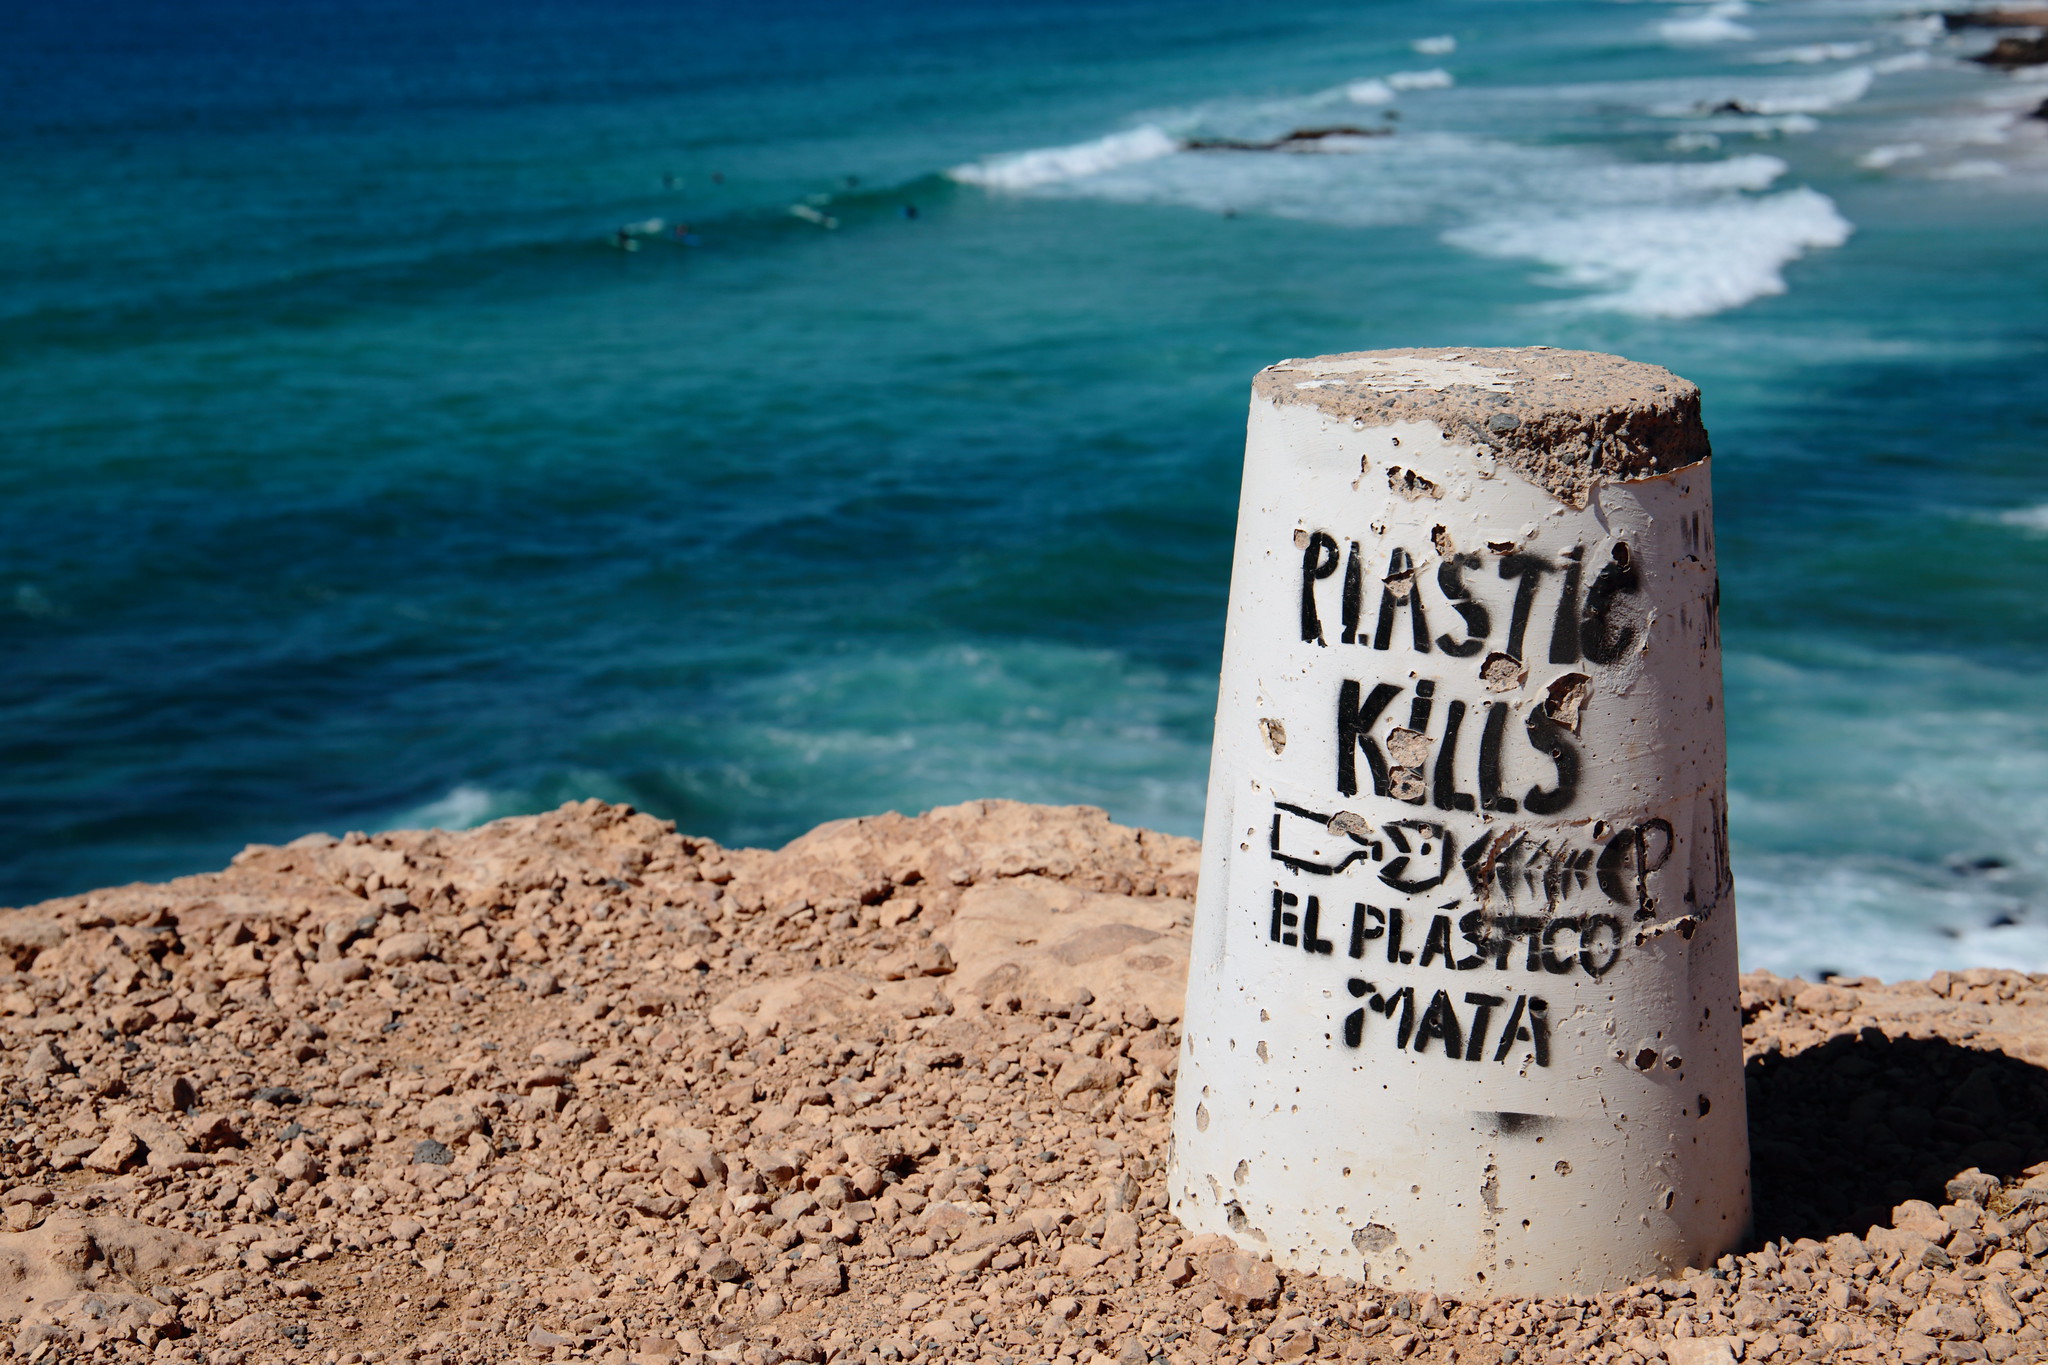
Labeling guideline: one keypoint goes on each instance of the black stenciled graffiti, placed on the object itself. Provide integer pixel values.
(1628, 860)
(1557, 944)
(1292, 926)
(1359, 710)
(1450, 581)
(1398, 592)
(1587, 621)
(1554, 944)
(1318, 561)
(1516, 866)
(1439, 1024)
(1423, 851)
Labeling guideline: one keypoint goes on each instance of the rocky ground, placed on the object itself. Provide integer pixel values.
(578, 1087)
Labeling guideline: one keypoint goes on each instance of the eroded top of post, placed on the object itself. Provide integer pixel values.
(1564, 420)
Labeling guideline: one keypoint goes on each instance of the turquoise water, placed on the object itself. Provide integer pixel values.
(355, 476)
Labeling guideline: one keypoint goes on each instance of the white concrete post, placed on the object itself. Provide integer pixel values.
(1462, 1011)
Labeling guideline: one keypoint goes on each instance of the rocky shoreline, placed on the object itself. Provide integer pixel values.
(575, 1086)
(2012, 50)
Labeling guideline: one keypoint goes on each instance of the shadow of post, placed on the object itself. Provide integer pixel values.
(1842, 1133)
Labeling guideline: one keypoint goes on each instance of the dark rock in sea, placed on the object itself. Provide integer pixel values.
(2015, 52)
(1995, 18)
(1301, 139)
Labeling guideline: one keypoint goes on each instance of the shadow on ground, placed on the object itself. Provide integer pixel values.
(1842, 1133)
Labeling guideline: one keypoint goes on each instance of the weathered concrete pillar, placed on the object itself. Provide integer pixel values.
(1462, 1011)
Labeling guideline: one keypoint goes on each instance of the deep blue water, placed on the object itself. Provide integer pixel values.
(354, 476)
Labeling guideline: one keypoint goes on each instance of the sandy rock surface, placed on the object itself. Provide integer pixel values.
(575, 1086)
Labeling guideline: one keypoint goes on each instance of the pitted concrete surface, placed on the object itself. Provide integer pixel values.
(1564, 420)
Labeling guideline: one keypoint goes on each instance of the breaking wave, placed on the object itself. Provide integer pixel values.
(1657, 239)
(1058, 165)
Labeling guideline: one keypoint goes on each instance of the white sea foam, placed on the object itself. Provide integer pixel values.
(1805, 916)
(1679, 238)
(1673, 262)
(1886, 157)
(1434, 79)
(1920, 31)
(1439, 46)
(1660, 239)
(464, 807)
(1757, 126)
(1814, 54)
(1714, 24)
(1756, 94)
(1974, 168)
(1693, 96)
(1057, 165)
(2033, 519)
(1889, 811)
(1379, 90)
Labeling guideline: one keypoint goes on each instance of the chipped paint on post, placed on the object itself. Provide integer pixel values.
(1462, 1011)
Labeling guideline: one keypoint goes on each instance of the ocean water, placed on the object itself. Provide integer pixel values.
(356, 474)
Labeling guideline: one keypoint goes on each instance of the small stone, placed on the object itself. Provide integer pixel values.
(329, 977)
(450, 1119)
(120, 1151)
(718, 1265)
(403, 948)
(561, 1052)
(428, 1152)
(823, 1276)
(1086, 1074)
(1948, 1320)
(1502, 422)
(1242, 1279)
(1081, 1258)
(1972, 1184)
(299, 1164)
(1916, 1348)
(968, 1262)
(1702, 1350)
(46, 1059)
(406, 1230)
